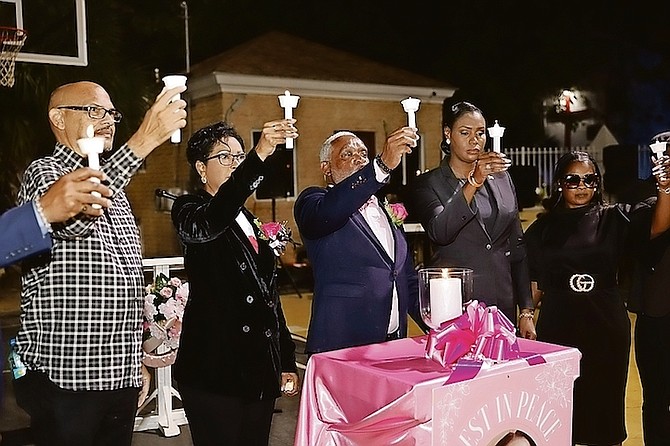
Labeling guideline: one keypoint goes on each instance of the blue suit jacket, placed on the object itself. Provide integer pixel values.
(20, 235)
(353, 274)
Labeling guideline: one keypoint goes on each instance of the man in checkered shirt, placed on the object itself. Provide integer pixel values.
(81, 305)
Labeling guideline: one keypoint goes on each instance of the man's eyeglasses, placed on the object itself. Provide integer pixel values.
(227, 158)
(94, 111)
(572, 180)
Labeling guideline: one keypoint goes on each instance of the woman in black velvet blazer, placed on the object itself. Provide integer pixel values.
(236, 355)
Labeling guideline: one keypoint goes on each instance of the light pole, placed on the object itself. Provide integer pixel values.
(184, 6)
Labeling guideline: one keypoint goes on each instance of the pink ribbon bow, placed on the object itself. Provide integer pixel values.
(481, 332)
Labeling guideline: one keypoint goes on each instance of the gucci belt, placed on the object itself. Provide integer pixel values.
(582, 283)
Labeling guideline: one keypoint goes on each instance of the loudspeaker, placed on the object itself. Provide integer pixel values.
(279, 182)
(525, 179)
(620, 163)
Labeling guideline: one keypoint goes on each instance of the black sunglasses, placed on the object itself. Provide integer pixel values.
(573, 180)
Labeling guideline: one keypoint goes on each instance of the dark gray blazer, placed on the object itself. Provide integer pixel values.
(459, 237)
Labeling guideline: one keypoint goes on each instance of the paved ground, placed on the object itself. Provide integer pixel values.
(14, 422)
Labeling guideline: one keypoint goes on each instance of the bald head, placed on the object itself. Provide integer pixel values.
(69, 123)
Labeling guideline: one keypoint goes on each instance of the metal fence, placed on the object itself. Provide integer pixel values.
(545, 158)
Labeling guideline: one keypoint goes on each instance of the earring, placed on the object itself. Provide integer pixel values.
(203, 179)
(448, 141)
(560, 189)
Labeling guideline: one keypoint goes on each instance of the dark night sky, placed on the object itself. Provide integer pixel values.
(504, 55)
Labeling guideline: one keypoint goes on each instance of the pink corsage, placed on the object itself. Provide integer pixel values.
(396, 211)
(277, 234)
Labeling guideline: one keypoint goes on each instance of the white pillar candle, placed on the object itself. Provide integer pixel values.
(288, 102)
(92, 146)
(446, 302)
(172, 81)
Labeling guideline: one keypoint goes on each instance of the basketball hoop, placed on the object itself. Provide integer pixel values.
(11, 42)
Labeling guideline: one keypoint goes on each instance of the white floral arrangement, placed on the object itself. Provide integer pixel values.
(164, 306)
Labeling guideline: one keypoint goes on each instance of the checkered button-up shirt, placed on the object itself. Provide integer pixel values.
(81, 309)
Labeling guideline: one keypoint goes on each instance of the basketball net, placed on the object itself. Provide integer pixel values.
(11, 42)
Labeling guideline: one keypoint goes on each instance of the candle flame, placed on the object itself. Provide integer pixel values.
(89, 131)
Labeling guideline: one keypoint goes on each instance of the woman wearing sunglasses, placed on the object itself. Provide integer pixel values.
(575, 250)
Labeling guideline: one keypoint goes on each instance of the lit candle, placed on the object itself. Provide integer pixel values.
(446, 302)
(92, 147)
(411, 106)
(172, 81)
(288, 102)
(496, 132)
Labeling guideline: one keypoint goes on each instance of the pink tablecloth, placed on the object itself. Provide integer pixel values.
(382, 394)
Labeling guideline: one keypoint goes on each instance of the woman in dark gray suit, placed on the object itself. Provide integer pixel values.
(236, 354)
(468, 208)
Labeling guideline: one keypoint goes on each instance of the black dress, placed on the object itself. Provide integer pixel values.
(574, 256)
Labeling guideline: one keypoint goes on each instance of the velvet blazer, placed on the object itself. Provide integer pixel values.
(234, 340)
(353, 274)
(459, 237)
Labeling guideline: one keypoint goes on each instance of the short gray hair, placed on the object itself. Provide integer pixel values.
(327, 146)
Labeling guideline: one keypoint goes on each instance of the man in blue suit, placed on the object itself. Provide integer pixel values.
(364, 278)
(25, 230)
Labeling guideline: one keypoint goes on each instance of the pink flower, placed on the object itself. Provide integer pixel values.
(166, 291)
(399, 210)
(271, 229)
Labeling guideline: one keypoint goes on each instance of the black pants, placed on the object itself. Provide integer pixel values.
(61, 417)
(652, 355)
(221, 420)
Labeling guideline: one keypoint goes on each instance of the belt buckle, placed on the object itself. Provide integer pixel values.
(582, 283)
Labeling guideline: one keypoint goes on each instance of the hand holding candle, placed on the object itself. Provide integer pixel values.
(411, 106)
(658, 149)
(173, 81)
(92, 147)
(288, 102)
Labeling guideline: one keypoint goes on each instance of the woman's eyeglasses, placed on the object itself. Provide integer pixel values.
(227, 158)
(572, 180)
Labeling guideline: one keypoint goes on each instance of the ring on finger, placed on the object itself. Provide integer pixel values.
(84, 208)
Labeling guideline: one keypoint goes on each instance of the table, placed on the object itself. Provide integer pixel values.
(389, 393)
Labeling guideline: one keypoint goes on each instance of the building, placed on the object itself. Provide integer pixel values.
(338, 91)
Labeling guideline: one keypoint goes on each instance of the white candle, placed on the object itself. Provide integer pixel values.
(92, 147)
(172, 81)
(411, 106)
(496, 132)
(446, 302)
(658, 148)
(288, 102)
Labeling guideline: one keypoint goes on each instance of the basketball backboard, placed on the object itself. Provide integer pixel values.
(56, 30)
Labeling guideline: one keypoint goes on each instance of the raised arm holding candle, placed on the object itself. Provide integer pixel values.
(93, 276)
